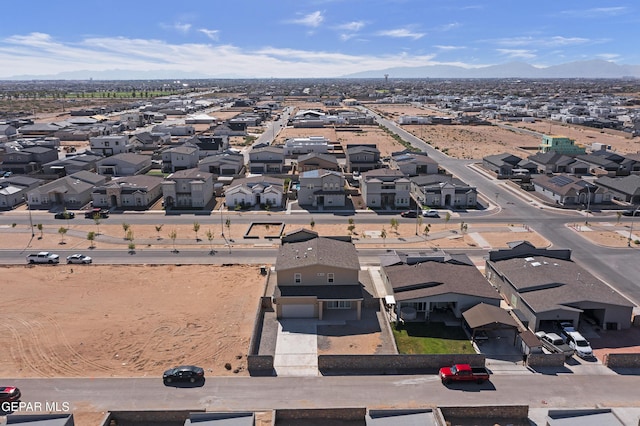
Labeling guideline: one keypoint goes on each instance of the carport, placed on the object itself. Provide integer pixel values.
(484, 317)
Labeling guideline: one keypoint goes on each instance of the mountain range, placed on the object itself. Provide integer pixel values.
(581, 69)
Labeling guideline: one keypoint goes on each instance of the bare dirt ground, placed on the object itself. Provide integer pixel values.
(96, 321)
(476, 142)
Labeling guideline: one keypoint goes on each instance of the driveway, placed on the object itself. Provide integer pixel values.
(296, 348)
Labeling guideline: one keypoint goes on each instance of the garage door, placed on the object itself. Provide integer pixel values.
(297, 311)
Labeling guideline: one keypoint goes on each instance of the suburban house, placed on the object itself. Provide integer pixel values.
(569, 190)
(14, 189)
(177, 130)
(555, 162)
(70, 165)
(361, 158)
(316, 275)
(322, 188)
(383, 188)
(544, 286)
(130, 192)
(413, 163)
(7, 132)
(226, 163)
(39, 129)
(149, 141)
(602, 165)
(68, 192)
(256, 190)
(28, 160)
(209, 144)
(266, 159)
(443, 190)
(506, 165)
(293, 147)
(625, 188)
(314, 160)
(125, 164)
(187, 189)
(180, 158)
(425, 283)
(110, 145)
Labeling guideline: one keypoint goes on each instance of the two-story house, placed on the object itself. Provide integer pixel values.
(187, 189)
(110, 145)
(361, 158)
(180, 158)
(316, 275)
(322, 188)
(385, 188)
(28, 160)
(266, 159)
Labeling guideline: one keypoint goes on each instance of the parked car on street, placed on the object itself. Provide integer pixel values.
(631, 212)
(409, 213)
(43, 257)
(64, 215)
(463, 373)
(430, 213)
(183, 373)
(79, 258)
(102, 213)
(9, 394)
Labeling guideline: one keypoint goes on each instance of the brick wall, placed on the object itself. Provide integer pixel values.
(631, 360)
(393, 364)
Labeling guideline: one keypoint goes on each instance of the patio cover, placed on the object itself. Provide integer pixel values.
(484, 316)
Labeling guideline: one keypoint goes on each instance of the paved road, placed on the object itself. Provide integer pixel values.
(266, 393)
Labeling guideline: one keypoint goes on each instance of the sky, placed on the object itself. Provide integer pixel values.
(309, 39)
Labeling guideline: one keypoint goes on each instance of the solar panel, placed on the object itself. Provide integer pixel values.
(561, 180)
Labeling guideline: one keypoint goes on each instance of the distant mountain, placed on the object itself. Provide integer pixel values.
(581, 69)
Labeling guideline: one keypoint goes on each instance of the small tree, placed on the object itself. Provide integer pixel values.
(619, 215)
(91, 236)
(426, 230)
(158, 229)
(125, 228)
(463, 227)
(394, 224)
(96, 220)
(447, 218)
(132, 247)
(173, 235)
(227, 223)
(40, 228)
(209, 235)
(196, 228)
(383, 235)
(129, 236)
(351, 226)
(312, 224)
(62, 231)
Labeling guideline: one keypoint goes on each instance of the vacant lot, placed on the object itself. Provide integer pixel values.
(121, 321)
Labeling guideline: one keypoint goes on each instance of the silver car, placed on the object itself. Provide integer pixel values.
(79, 258)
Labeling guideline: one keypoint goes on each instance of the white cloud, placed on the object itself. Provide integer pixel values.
(517, 53)
(312, 20)
(212, 34)
(177, 26)
(596, 12)
(39, 53)
(448, 27)
(401, 33)
(608, 56)
(542, 41)
(353, 26)
(442, 47)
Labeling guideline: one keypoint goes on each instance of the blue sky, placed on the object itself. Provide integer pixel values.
(307, 39)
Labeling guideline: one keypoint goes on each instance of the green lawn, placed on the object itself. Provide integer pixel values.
(431, 338)
(156, 172)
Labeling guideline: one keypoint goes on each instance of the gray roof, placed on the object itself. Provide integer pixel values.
(317, 173)
(87, 176)
(190, 174)
(221, 419)
(127, 157)
(313, 155)
(317, 251)
(547, 283)
(483, 315)
(627, 185)
(436, 278)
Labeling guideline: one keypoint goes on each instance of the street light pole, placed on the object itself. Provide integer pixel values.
(30, 218)
(586, 220)
(633, 216)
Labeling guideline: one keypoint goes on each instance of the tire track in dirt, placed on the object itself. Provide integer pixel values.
(23, 357)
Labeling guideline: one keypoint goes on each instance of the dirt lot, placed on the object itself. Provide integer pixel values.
(476, 142)
(96, 321)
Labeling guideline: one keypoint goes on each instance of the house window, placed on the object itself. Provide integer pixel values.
(297, 278)
(106, 143)
(339, 304)
(330, 277)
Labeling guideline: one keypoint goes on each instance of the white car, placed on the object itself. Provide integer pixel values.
(79, 258)
(579, 344)
(430, 213)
